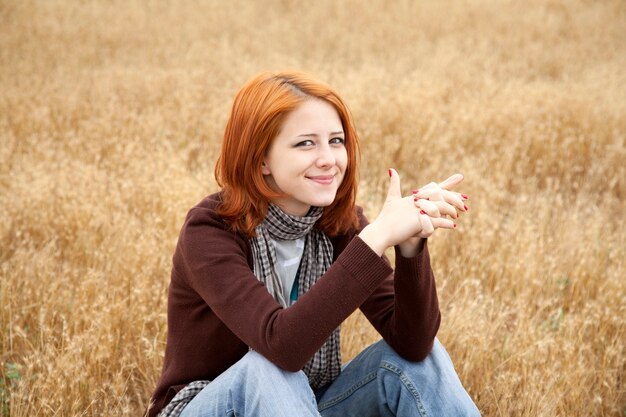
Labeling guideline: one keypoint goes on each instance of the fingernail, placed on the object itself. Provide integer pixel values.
(466, 208)
(454, 225)
(390, 172)
(427, 198)
(465, 197)
(416, 191)
(415, 198)
(422, 212)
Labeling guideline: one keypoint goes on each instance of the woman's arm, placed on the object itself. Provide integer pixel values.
(214, 262)
(405, 309)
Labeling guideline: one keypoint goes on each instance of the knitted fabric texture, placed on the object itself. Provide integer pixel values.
(317, 257)
(325, 365)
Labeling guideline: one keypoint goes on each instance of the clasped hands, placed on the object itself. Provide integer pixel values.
(406, 221)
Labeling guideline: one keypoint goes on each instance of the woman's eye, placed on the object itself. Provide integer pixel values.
(338, 141)
(305, 143)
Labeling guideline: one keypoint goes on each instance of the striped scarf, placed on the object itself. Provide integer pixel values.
(317, 257)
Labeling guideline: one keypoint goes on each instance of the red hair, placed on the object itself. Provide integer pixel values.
(255, 120)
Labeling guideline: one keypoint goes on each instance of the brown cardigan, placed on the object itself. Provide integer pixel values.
(217, 308)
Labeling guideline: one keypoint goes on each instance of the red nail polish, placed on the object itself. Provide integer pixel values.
(415, 191)
(422, 212)
(415, 198)
(465, 197)
(454, 225)
(466, 208)
(390, 173)
(427, 198)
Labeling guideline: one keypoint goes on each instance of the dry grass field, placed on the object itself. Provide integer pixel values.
(111, 116)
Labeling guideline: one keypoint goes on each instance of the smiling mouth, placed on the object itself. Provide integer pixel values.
(322, 179)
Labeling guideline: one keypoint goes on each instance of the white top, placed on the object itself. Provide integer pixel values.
(288, 255)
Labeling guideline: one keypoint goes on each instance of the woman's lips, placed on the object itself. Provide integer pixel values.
(322, 179)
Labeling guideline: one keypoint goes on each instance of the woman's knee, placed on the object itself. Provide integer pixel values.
(432, 383)
(257, 367)
(255, 386)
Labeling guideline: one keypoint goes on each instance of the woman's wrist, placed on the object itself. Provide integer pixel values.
(411, 247)
(374, 239)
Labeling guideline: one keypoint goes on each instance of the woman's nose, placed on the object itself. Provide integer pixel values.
(326, 157)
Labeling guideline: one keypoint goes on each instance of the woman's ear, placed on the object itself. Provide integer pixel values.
(265, 169)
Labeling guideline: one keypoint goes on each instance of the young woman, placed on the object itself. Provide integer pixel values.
(266, 270)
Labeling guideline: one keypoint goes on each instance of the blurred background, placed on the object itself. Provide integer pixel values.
(111, 117)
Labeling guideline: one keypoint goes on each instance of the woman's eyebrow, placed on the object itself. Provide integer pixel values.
(314, 135)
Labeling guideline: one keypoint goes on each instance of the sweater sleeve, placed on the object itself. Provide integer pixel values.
(214, 262)
(404, 309)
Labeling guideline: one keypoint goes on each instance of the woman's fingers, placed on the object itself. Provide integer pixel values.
(428, 207)
(451, 182)
(431, 219)
(433, 192)
(430, 192)
(436, 202)
(394, 192)
(430, 224)
(436, 208)
(455, 199)
(441, 223)
(427, 226)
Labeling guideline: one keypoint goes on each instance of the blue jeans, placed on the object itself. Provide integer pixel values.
(377, 383)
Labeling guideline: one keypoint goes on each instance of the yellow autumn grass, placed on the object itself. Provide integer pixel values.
(111, 115)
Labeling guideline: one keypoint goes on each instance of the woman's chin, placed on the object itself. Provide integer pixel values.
(324, 202)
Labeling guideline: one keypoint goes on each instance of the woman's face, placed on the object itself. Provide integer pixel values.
(307, 160)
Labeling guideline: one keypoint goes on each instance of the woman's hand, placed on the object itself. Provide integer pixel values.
(436, 200)
(439, 199)
(405, 220)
